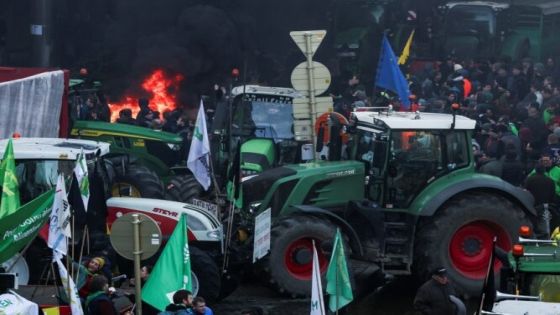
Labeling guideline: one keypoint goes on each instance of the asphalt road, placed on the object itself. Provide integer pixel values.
(393, 299)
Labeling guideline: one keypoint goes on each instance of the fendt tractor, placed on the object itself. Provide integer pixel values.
(38, 163)
(407, 200)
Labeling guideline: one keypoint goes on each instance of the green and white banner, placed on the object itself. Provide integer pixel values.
(20, 227)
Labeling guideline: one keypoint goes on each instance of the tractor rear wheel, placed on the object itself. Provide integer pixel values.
(205, 275)
(290, 262)
(183, 188)
(459, 237)
(137, 181)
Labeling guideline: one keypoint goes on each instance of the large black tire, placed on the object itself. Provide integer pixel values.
(183, 188)
(289, 264)
(137, 181)
(459, 237)
(205, 275)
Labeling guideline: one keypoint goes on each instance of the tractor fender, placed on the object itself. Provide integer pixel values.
(516, 194)
(346, 228)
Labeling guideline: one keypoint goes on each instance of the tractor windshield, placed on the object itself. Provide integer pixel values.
(263, 116)
(476, 20)
(38, 176)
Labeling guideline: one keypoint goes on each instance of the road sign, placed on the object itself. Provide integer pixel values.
(122, 232)
(300, 78)
(316, 38)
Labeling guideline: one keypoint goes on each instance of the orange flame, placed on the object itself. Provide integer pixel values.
(161, 100)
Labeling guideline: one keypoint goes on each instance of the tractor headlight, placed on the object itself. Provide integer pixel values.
(195, 224)
(216, 235)
(174, 147)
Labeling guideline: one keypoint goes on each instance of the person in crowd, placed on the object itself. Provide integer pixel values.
(513, 171)
(200, 308)
(551, 171)
(182, 304)
(146, 115)
(125, 117)
(541, 186)
(432, 298)
(98, 301)
(86, 273)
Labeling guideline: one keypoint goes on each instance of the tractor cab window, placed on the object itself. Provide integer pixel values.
(371, 149)
(475, 20)
(457, 150)
(38, 176)
(416, 159)
(263, 116)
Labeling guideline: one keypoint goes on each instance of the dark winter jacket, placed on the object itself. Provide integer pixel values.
(176, 309)
(98, 303)
(432, 298)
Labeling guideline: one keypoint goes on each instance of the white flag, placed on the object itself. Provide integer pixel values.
(317, 303)
(75, 304)
(199, 153)
(81, 172)
(59, 227)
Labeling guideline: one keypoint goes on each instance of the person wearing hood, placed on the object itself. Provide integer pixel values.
(86, 273)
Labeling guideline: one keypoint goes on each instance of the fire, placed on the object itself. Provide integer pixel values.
(161, 100)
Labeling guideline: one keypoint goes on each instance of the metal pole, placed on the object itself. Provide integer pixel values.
(311, 85)
(137, 254)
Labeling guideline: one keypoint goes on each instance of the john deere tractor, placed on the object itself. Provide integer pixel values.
(407, 200)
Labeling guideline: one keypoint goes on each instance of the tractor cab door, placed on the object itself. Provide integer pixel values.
(415, 160)
(371, 147)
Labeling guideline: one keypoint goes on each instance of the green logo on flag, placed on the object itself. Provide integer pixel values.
(197, 134)
(10, 187)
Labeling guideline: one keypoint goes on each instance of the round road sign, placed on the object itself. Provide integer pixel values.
(122, 236)
(322, 78)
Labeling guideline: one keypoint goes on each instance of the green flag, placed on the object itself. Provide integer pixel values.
(8, 179)
(172, 271)
(21, 227)
(339, 288)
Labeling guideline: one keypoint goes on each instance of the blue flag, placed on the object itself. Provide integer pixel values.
(389, 75)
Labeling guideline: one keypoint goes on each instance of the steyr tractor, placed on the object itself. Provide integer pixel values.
(407, 200)
(38, 163)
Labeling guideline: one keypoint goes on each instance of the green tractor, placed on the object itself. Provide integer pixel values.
(529, 278)
(143, 159)
(407, 200)
(152, 163)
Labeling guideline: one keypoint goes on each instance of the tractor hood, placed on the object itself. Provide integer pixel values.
(54, 148)
(548, 263)
(90, 129)
(202, 225)
(322, 184)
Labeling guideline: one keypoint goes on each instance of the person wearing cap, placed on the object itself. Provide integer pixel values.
(86, 272)
(432, 298)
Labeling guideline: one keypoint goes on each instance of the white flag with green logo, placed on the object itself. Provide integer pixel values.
(317, 302)
(81, 172)
(199, 152)
(172, 271)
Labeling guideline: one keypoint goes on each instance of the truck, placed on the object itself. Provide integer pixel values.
(486, 29)
(407, 200)
(38, 163)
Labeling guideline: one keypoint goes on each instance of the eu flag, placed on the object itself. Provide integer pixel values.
(389, 75)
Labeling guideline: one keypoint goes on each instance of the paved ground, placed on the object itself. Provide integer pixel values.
(393, 299)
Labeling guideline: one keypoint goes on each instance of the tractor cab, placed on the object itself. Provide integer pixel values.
(262, 122)
(404, 152)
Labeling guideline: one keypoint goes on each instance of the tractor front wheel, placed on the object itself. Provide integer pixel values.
(205, 275)
(137, 181)
(289, 265)
(460, 236)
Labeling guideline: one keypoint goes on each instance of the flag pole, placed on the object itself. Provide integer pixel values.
(336, 285)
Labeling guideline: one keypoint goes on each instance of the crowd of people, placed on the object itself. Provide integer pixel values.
(516, 106)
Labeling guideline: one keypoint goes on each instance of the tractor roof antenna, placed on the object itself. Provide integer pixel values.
(454, 108)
